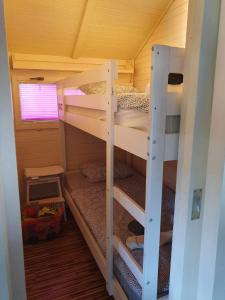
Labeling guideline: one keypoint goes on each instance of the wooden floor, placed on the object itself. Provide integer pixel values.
(63, 269)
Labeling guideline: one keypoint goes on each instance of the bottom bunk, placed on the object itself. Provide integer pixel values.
(87, 202)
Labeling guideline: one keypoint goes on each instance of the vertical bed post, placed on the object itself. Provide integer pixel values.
(154, 175)
(111, 108)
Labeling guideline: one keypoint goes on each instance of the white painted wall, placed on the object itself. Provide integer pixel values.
(212, 259)
(5, 283)
(12, 283)
(201, 49)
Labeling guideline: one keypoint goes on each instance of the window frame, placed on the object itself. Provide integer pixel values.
(29, 124)
(37, 120)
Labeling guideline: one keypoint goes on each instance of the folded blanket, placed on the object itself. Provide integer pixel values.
(137, 242)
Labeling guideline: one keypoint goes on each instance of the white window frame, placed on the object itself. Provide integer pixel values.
(35, 82)
(17, 77)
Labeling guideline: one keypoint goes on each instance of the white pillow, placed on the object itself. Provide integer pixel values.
(137, 242)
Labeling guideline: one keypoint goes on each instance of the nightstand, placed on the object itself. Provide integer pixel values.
(43, 185)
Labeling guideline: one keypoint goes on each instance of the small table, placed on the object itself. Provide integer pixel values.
(43, 185)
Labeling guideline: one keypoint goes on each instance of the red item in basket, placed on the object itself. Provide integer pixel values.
(41, 228)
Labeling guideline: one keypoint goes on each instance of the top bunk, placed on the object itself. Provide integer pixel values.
(94, 103)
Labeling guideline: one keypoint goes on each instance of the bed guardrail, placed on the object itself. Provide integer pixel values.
(130, 205)
(128, 259)
(72, 83)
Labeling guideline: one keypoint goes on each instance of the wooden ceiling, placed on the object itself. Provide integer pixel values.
(81, 28)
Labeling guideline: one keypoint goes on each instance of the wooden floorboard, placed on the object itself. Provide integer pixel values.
(63, 269)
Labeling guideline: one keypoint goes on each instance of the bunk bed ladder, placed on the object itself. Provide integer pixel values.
(150, 218)
(154, 174)
(110, 109)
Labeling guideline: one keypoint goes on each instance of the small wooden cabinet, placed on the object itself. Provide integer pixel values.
(43, 185)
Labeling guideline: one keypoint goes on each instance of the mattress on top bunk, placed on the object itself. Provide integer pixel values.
(90, 200)
(128, 118)
(133, 110)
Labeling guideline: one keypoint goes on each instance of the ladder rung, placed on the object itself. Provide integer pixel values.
(128, 259)
(130, 205)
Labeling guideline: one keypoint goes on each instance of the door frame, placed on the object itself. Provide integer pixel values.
(12, 275)
(196, 111)
(201, 48)
(212, 259)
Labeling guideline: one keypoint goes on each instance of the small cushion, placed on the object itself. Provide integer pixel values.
(95, 171)
(137, 242)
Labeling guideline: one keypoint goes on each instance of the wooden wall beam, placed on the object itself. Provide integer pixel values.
(61, 63)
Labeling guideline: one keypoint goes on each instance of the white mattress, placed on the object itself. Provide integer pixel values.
(134, 118)
(128, 118)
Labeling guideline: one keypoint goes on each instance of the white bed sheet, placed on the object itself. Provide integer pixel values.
(134, 118)
(128, 118)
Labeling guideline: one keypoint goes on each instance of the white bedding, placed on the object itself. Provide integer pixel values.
(132, 118)
(135, 118)
(128, 118)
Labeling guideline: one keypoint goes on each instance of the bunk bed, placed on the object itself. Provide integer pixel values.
(158, 144)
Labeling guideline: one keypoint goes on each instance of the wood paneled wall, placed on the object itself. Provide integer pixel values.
(81, 147)
(36, 148)
(171, 30)
(139, 164)
(39, 144)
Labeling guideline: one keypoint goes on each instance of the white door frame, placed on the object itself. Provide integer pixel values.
(203, 20)
(212, 259)
(12, 278)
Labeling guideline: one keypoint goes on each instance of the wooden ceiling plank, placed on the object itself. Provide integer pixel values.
(81, 28)
(154, 27)
(81, 36)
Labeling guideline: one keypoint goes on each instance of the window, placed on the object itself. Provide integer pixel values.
(38, 102)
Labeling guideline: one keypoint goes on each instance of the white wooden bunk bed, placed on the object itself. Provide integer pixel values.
(155, 146)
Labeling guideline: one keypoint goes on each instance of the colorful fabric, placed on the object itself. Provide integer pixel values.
(41, 223)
